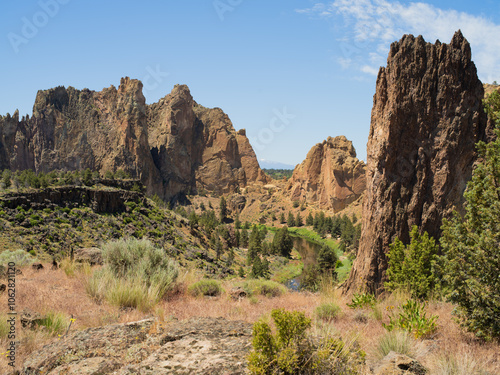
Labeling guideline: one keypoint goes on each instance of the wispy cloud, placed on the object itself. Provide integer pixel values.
(374, 24)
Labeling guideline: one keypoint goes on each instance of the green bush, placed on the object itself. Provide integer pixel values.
(362, 300)
(136, 274)
(413, 318)
(470, 244)
(411, 267)
(19, 257)
(266, 288)
(206, 287)
(327, 311)
(291, 350)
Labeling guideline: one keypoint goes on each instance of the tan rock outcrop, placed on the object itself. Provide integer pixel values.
(173, 146)
(196, 148)
(195, 346)
(426, 119)
(331, 175)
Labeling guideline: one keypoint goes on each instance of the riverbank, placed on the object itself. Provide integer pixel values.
(308, 234)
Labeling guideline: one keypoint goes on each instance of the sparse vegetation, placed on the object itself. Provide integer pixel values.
(291, 350)
(413, 319)
(362, 300)
(328, 311)
(205, 287)
(136, 274)
(401, 342)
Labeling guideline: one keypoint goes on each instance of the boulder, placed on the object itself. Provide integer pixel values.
(90, 255)
(399, 364)
(195, 346)
(31, 319)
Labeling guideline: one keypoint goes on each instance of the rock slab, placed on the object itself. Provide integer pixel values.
(195, 346)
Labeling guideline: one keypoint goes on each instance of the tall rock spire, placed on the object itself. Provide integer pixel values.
(426, 119)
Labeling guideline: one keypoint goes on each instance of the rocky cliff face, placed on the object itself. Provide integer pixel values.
(173, 146)
(196, 148)
(427, 116)
(330, 176)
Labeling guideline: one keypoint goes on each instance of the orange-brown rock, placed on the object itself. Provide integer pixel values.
(174, 146)
(196, 148)
(330, 176)
(77, 129)
(426, 119)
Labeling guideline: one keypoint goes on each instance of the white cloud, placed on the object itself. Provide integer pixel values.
(369, 70)
(377, 23)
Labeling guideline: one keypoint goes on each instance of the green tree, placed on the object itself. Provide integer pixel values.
(241, 272)
(309, 219)
(244, 238)
(291, 220)
(282, 218)
(87, 177)
(237, 238)
(254, 245)
(223, 209)
(471, 245)
(6, 176)
(298, 220)
(410, 267)
(237, 223)
(282, 242)
(327, 259)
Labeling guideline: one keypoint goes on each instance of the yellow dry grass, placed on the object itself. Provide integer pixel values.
(53, 290)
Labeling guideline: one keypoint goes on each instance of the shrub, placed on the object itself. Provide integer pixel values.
(410, 267)
(55, 322)
(396, 341)
(413, 318)
(19, 257)
(206, 287)
(266, 288)
(310, 278)
(361, 300)
(291, 350)
(456, 364)
(136, 274)
(327, 311)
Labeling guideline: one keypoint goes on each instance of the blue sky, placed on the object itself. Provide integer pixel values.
(291, 72)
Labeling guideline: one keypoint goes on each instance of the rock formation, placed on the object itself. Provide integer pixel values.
(331, 175)
(426, 119)
(196, 148)
(195, 346)
(173, 146)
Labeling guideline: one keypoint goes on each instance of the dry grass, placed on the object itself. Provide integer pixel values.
(450, 351)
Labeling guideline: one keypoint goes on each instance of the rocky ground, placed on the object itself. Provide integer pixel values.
(194, 346)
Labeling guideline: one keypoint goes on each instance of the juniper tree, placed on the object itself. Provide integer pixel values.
(471, 245)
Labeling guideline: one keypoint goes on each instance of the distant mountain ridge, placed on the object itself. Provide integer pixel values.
(269, 164)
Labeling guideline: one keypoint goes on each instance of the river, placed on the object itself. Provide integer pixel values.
(308, 251)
